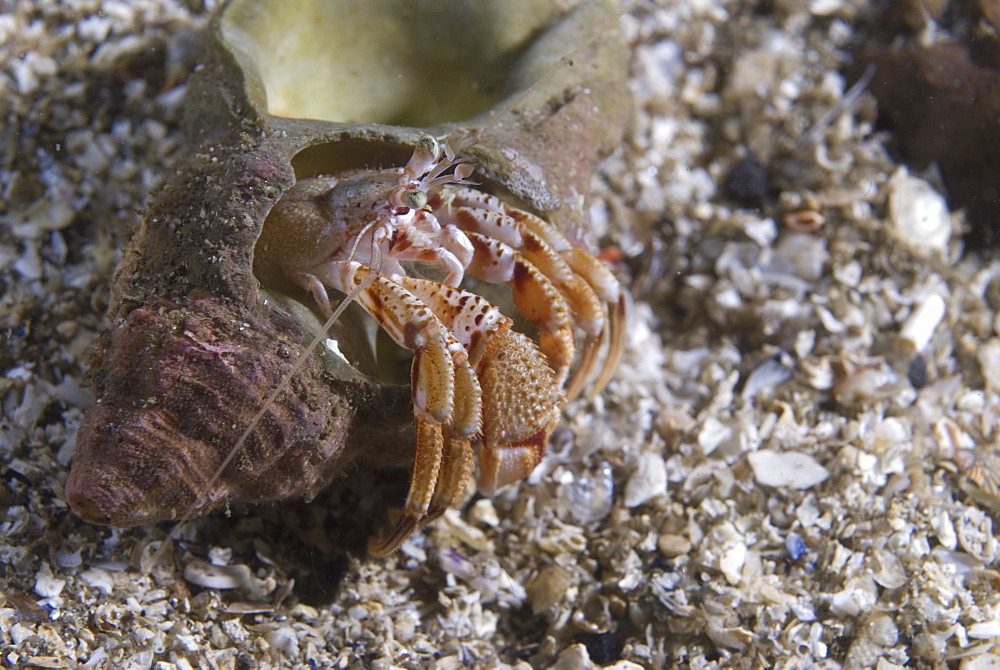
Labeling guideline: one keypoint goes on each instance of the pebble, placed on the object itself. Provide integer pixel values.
(550, 586)
(671, 545)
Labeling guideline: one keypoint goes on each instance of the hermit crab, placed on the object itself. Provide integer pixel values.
(210, 385)
(478, 386)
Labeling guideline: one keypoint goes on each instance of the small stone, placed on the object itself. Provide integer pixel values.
(67, 329)
(574, 657)
(550, 586)
(671, 545)
(747, 183)
(603, 648)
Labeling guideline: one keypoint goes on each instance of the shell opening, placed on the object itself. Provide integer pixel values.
(377, 61)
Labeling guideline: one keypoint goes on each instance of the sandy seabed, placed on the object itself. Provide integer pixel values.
(776, 477)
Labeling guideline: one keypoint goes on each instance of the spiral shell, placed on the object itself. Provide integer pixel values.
(193, 347)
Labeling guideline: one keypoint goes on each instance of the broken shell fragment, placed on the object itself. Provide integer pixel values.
(919, 328)
(211, 576)
(196, 356)
(788, 469)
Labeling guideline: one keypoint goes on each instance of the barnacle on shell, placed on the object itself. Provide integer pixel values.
(193, 346)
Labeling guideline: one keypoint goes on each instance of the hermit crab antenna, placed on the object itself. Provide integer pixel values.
(361, 236)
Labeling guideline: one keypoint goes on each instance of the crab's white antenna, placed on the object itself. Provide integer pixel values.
(357, 241)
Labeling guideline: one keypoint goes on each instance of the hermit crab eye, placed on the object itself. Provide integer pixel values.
(414, 199)
(430, 145)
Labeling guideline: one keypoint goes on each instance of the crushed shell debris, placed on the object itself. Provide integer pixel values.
(864, 537)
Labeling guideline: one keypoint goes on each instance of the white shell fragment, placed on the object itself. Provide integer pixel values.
(858, 595)
(47, 585)
(648, 480)
(887, 569)
(211, 576)
(923, 321)
(731, 562)
(975, 535)
(771, 373)
(918, 215)
(786, 469)
(989, 361)
(712, 434)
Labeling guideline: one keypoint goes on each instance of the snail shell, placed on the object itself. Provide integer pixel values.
(193, 346)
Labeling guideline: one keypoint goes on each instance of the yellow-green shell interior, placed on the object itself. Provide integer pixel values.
(414, 63)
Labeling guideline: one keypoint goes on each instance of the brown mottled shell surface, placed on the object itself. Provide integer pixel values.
(193, 346)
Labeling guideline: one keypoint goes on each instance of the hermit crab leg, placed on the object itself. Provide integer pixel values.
(445, 390)
(609, 290)
(604, 288)
(537, 299)
(591, 291)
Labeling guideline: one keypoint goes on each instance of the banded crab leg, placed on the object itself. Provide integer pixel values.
(446, 392)
(593, 295)
(536, 297)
